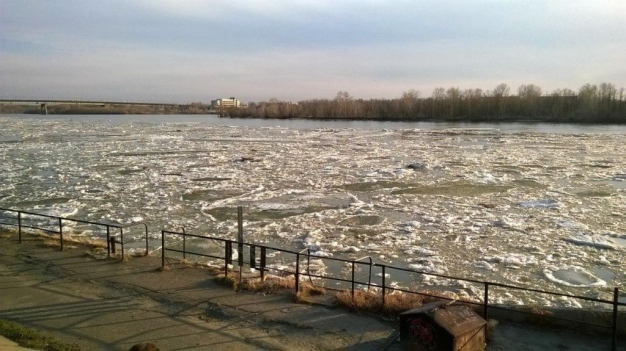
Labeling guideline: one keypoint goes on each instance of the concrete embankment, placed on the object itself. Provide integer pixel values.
(109, 305)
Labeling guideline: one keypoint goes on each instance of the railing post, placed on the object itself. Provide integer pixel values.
(228, 256)
(184, 244)
(122, 242)
(486, 302)
(162, 248)
(262, 263)
(112, 244)
(19, 227)
(369, 278)
(253, 256)
(384, 286)
(108, 241)
(147, 250)
(297, 272)
(614, 326)
(61, 232)
(352, 280)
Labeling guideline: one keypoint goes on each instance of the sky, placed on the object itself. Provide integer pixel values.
(195, 50)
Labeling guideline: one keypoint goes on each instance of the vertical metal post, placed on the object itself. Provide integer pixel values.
(227, 256)
(147, 250)
(297, 272)
(122, 242)
(486, 302)
(162, 248)
(369, 279)
(352, 280)
(384, 286)
(240, 240)
(184, 244)
(112, 244)
(19, 227)
(252, 256)
(61, 232)
(614, 326)
(108, 242)
(262, 263)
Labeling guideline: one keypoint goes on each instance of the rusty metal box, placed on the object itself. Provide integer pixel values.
(442, 326)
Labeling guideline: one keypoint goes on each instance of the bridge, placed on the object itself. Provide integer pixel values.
(44, 103)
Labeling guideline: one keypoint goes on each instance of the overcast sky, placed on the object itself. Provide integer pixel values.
(196, 50)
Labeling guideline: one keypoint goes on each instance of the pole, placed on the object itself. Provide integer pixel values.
(162, 248)
(147, 250)
(19, 227)
(614, 326)
(262, 263)
(108, 242)
(352, 280)
(297, 272)
(227, 256)
(240, 240)
(486, 302)
(383, 286)
(61, 232)
(184, 244)
(122, 242)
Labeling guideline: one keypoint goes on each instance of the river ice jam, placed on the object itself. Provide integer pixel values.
(536, 209)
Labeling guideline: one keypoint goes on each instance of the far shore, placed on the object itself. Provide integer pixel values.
(194, 109)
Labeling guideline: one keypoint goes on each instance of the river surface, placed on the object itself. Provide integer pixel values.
(530, 204)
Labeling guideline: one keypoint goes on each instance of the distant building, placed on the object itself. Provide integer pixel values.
(226, 102)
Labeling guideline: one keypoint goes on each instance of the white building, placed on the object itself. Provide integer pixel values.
(226, 102)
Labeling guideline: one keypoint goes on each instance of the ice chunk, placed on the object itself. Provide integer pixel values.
(572, 276)
(410, 226)
(351, 249)
(570, 224)
(540, 203)
(484, 265)
(428, 267)
(594, 240)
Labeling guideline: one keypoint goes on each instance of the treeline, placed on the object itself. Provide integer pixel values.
(109, 109)
(590, 104)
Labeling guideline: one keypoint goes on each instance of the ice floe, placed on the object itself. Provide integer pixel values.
(541, 203)
(595, 240)
(572, 276)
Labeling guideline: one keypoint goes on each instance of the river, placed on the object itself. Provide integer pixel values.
(532, 204)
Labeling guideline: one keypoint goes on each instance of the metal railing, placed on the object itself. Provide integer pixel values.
(384, 288)
(22, 221)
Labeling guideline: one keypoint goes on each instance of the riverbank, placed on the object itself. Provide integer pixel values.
(108, 305)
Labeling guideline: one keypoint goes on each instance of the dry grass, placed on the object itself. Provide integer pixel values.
(307, 290)
(34, 339)
(97, 253)
(371, 302)
(312, 290)
(69, 241)
(6, 233)
(271, 284)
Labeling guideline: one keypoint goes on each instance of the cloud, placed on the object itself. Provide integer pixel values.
(196, 50)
